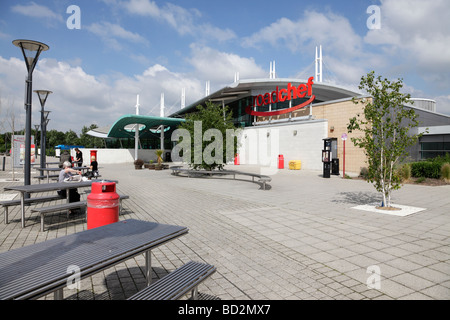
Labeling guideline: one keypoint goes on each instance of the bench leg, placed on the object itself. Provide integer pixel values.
(194, 294)
(58, 294)
(22, 205)
(148, 267)
(6, 215)
(42, 222)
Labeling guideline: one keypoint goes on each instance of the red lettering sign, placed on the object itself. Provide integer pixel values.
(281, 95)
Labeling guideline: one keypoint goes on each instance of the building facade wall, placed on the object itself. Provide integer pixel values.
(298, 141)
(331, 121)
(338, 115)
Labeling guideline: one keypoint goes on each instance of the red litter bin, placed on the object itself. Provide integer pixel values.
(102, 204)
(280, 161)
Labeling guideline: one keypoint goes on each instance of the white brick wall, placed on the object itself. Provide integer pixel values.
(306, 145)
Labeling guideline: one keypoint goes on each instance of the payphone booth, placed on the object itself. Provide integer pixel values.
(330, 157)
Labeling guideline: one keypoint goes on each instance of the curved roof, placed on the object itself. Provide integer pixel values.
(125, 127)
(243, 88)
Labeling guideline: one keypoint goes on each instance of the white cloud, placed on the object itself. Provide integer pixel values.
(37, 11)
(184, 21)
(343, 52)
(418, 32)
(220, 67)
(110, 32)
(311, 29)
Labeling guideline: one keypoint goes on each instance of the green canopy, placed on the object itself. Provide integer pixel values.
(125, 127)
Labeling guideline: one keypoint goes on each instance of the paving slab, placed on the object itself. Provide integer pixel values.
(301, 239)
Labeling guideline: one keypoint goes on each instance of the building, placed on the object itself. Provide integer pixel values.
(288, 117)
(292, 117)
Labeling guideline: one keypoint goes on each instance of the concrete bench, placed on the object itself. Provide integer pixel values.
(29, 201)
(68, 206)
(177, 283)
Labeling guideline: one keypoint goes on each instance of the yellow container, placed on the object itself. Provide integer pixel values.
(295, 165)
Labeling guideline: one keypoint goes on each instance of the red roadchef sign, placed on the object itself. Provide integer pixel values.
(281, 95)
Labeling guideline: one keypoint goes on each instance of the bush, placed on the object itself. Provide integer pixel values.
(364, 173)
(445, 171)
(426, 169)
(405, 172)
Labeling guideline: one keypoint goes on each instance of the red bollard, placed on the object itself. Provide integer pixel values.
(102, 205)
(236, 160)
(280, 161)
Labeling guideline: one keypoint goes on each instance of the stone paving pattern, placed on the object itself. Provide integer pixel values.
(299, 240)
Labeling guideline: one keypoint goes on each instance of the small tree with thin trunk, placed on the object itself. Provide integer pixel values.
(385, 124)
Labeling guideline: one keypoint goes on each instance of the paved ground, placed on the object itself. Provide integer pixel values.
(301, 239)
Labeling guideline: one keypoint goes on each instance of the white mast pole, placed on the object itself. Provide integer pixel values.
(136, 131)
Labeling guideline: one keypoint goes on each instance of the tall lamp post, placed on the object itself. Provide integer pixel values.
(35, 143)
(43, 94)
(31, 51)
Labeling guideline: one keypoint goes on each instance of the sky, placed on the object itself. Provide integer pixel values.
(106, 52)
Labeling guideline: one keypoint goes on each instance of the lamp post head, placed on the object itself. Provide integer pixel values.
(43, 94)
(46, 113)
(31, 50)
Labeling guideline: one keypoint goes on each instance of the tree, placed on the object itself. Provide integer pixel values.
(214, 134)
(55, 138)
(385, 124)
(89, 141)
(71, 138)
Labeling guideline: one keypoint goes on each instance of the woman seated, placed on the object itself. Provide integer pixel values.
(65, 173)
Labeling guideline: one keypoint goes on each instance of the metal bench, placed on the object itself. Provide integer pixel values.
(45, 267)
(42, 177)
(9, 203)
(59, 207)
(177, 283)
(67, 206)
(176, 170)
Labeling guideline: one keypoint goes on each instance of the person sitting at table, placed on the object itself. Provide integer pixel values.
(67, 172)
(65, 156)
(93, 172)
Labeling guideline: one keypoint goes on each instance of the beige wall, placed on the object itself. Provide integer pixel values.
(338, 115)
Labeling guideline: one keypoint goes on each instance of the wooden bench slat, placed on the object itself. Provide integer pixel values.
(177, 283)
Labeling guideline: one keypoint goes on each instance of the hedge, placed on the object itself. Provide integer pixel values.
(426, 169)
(430, 168)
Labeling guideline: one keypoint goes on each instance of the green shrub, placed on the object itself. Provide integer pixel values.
(445, 171)
(426, 169)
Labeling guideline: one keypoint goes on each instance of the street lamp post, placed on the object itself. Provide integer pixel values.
(35, 142)
(43, 94)
(31, 51)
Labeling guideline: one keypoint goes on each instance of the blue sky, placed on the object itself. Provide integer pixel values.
(130, 47)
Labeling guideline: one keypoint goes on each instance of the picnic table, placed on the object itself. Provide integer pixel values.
(36, 188)
(48, 170)
(34, 271)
